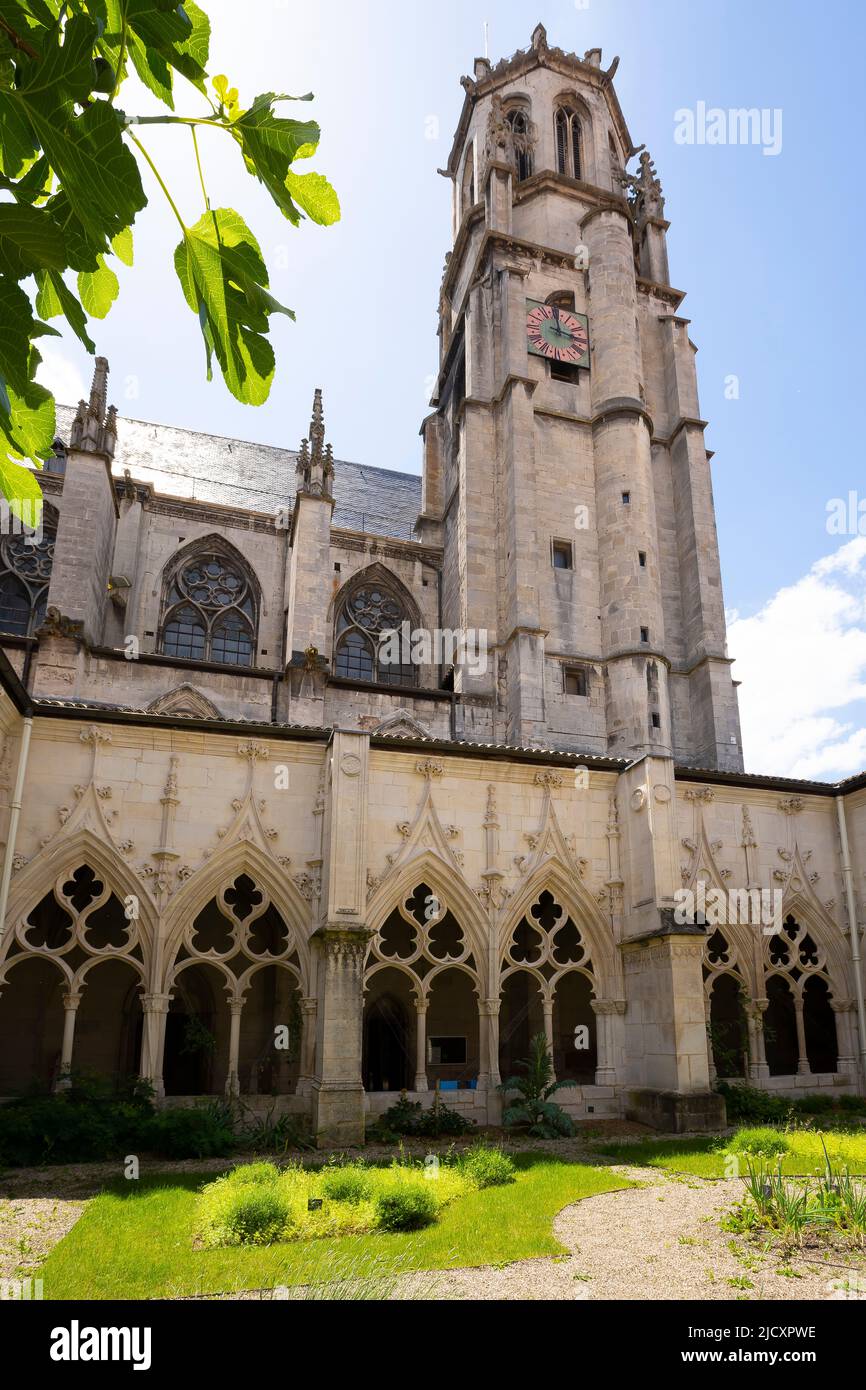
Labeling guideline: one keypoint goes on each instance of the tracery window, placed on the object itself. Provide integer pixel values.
(522, 133)
(25, 570)
(362, 652)
(210, 611)
(567, 130)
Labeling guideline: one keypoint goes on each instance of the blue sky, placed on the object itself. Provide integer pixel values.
(767, 247)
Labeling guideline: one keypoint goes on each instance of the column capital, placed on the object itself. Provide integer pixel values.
(71, 999)
(155, 1003)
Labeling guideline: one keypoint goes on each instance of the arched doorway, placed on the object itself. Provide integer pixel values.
(388, 1044)
(196, 1034)
(780, 1028)
(819, 1022)
(31, 1025)
(728, 1032)
(575, 1050)
(109, 1022)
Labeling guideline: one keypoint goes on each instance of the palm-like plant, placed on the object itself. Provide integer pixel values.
(535, 1111)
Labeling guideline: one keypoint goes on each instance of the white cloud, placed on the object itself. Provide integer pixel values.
(61, 376)
(802, 662)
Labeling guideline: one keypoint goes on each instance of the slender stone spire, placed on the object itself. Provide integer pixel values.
(94, 429)
(315, 464)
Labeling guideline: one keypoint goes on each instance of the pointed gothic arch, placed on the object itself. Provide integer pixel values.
(371, 603)
(211, 603)
(568, 890)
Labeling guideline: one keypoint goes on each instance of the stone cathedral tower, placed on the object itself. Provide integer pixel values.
(565, 469)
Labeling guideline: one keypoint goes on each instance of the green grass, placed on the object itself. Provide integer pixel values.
(706, 1156)
(136, 1240)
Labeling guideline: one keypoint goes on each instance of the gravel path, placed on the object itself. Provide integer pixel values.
(660, 1241)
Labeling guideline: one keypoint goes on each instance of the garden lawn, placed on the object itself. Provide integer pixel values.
(137, 1239)
(706, 1156)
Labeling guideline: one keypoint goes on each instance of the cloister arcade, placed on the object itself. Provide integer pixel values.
(218, 993)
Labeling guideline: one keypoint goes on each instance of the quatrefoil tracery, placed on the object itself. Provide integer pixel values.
(93, 919)
(421, 933)
(546, 942)
(794, 951)
(242, 905)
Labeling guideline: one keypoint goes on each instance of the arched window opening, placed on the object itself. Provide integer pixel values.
(388, 1061)
(567, 131)
(780, 1028)
(727, 1026)
(210, 611)
(819, 1023)
(370, 637)
(521, 132)
(26, 559)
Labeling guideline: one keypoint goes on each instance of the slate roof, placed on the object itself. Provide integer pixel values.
(255, 477)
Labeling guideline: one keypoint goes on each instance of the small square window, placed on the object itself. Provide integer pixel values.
(574, 681)
(641, 559)
(644, 634)
(626, 499)
(564, 371)
(563, 556)
(656, 720)
(336, 569)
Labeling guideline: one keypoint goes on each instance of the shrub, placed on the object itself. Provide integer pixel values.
(485, 1166)
(817, 1104)
(855, 1105)
(764, 1141)
(202, 1132)
(748, 1103)
(91, 1119)
(249, 1174)
(409, 1117)
(239, 1212)
(405, 1207)
(346, 1183)
(535, 1111)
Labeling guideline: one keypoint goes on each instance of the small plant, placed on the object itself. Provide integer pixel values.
(197, 1038)
(486, 1166)
(535, 1112)
(766, 1142)
(405, 1207)
(346, 1183)
(410, 1118)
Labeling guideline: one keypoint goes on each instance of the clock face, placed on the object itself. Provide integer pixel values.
(559, 334)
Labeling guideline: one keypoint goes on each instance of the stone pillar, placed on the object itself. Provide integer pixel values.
(338, 1092)
(606, 1013)
(155, 1011)
(71, 1000)
(236, 1008)
(547, 1007)
(803, 1068)
(846, 1037)
(420, 1082)
(711, 1061)
(306, 1070)
(758, 1068)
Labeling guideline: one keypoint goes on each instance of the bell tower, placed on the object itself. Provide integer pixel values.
(565, 470)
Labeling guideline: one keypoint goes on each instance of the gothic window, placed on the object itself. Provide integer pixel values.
(210, 611)
(797, 986)
(567, 129)
(363, 648)
(25, 569)
(520, 129)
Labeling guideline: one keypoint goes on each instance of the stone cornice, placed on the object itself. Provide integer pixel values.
(656, 291)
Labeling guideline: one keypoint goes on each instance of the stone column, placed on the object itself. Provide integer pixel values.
(420, 1082)
(803, 1068)
(606, 1012)
(758, 1067)
(71, 1000)
(154, 1011)
(307, 1067)
(338, 1092)
(711, 1061)
(488, 1010)
(236, 1007)
(846, 1040)
(547, 1007)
